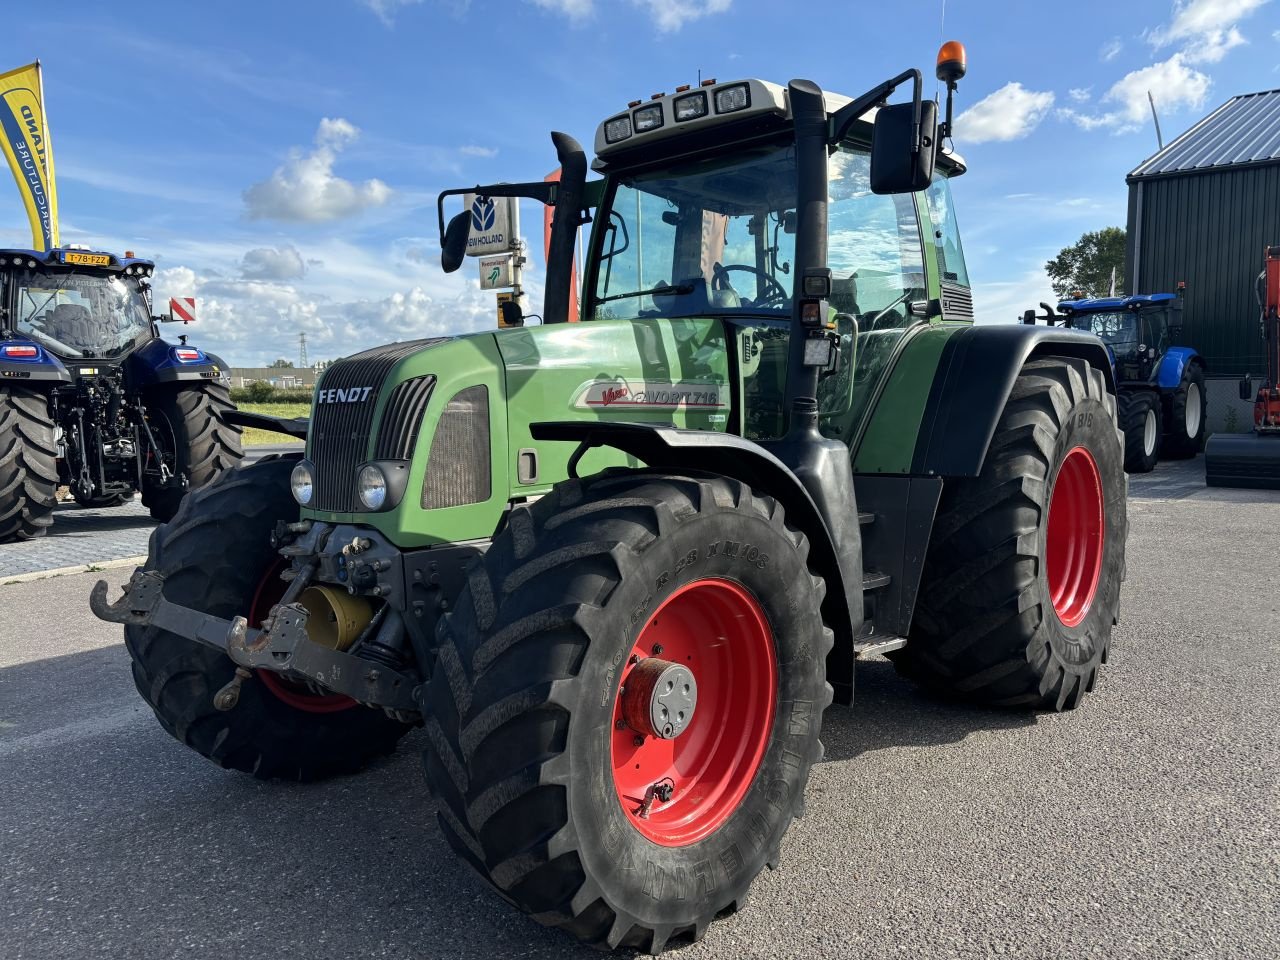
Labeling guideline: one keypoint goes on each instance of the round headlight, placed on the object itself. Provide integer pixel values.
(300, 481)
(372, 486)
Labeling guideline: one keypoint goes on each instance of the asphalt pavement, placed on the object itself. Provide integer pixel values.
(1143, 824)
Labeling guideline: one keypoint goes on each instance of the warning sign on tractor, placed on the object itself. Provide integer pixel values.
(490, 225)
(495, 272)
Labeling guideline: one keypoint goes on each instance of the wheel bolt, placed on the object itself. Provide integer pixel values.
(621, 724)
(657, 649)
(637, 741)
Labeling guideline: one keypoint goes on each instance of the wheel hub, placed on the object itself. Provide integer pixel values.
(659, 698)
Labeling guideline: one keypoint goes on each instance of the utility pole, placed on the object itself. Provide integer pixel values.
(302, 350)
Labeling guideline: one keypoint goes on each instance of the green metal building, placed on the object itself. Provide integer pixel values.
(1201, 210)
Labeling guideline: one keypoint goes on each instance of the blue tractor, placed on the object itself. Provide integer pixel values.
(1161, 402)
(91, 398)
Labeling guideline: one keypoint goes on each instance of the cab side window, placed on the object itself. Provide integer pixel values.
(877, 272)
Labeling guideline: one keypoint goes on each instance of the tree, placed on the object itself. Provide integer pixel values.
(281, 364)
(1086, 265)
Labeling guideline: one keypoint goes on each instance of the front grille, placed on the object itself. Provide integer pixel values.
(957, 302)
(458, 465)
(401, 419)
(340, 428)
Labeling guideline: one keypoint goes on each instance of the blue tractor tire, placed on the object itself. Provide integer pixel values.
(28, 464)
(1184, 425)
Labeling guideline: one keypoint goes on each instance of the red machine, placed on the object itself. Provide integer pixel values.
(1242, 460)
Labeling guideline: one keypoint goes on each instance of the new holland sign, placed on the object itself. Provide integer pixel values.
(490, 225)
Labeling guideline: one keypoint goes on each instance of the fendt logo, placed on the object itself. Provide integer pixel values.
(340, 395)
(483, 214)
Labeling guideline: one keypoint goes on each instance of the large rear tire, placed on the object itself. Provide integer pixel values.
(28, 464)
(1186, 424)
(1142, 419)
(533, 751)
(216, 556)
(192, 417)
(1021, 585)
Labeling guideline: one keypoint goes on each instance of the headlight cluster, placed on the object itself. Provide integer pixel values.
(379, 485)
(371, 485)
(730, 98)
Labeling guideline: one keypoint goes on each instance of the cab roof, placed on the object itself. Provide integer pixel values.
(57, 257)
(1135, 302)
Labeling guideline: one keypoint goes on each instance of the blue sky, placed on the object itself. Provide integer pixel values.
(280, 160)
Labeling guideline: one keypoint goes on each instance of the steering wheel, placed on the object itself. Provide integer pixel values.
(774, 291)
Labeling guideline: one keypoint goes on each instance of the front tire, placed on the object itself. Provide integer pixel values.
(534, 753)
(1021, 585)
(1187, 408)
(1142, 420)
(204, 445)
(28, 465)
(216, 556)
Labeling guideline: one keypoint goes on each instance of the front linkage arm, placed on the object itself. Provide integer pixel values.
(283, 647)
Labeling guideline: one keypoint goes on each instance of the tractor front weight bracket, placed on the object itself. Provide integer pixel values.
(282, 648)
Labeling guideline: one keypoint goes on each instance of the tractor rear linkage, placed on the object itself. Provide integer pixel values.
(282, 647)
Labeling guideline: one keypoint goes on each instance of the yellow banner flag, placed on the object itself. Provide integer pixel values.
(25, 141)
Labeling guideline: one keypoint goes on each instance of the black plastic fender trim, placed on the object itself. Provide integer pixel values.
(975, 376)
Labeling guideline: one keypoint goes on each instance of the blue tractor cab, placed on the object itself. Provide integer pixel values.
(92, 398)
(1161, 402)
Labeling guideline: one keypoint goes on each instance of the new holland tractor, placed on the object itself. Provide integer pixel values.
(1161, 385)
(617, 569)
(92, 398)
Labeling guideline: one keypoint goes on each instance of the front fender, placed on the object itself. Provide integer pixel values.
(704, 451)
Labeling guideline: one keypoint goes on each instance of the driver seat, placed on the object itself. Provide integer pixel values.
(74, 322)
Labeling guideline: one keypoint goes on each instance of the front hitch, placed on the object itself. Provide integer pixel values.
(282, 647)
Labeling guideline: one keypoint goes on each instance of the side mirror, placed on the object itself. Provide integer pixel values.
(1246, 388)
(1029, 317)
(454, 249)
(901, 163)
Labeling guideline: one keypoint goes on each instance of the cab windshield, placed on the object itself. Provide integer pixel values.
(705, 236)
(1118, 329)
(80, 314)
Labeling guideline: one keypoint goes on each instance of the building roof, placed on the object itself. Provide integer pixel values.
(1245, 129)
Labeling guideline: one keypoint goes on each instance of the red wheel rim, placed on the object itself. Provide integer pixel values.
(296, 695)
(1073, 548)
(718, 630)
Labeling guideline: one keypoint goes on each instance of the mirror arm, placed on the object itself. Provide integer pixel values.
(844, 118)
(541, 191)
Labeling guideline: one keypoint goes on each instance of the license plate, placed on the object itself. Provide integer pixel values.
(88, 259)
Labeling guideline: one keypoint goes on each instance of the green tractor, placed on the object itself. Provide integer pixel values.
(617, 569)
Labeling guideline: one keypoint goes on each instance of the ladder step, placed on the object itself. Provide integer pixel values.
(878, 644)
(874, 580)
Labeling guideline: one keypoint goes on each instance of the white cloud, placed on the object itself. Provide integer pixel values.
(386, 10)
(305, 188)
(1080, 94)
(1173, 83)
(1212, 47)
(1003, 301)
(668, 15)
(1010, 113)
(1196, 19)
(471, 150)
(575, 10)
(273, 263)
(1111, 49)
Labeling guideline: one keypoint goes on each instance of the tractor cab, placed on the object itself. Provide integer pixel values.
(1137, 330)
(77, 305)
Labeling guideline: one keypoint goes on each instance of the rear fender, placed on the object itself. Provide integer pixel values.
(43, 368)
(157, 363)
(704, 451)
(975, 376)
(1172, 365)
